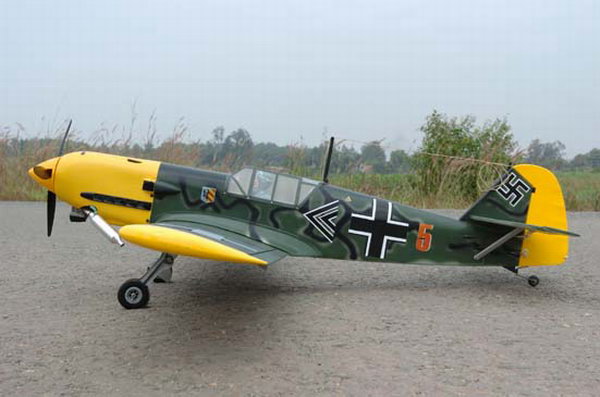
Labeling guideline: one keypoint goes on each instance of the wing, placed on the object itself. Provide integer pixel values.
(201, 241)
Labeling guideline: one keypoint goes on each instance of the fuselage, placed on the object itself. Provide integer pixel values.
(299, 216)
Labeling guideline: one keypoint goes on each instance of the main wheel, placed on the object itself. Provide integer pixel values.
(133, 294)
(533, 280)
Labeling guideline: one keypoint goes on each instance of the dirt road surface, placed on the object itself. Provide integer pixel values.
(302, 327)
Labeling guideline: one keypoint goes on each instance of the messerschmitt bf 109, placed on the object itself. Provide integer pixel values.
(259, 217)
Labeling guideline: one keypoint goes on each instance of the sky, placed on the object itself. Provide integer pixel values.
(291, 71)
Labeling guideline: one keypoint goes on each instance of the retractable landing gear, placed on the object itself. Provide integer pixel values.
(531, 280)
(134, 293)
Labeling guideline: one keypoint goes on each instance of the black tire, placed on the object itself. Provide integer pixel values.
(533, 281)
(133, 294)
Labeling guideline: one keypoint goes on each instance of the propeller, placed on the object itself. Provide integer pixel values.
(50, 210)
(64, 141)
(51, 198)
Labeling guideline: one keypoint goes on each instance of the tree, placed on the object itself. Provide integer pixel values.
(211, 152)
(373, 155)
(269, 155)
(458, 157)
(590, 159)
(237, 148)
(345, 159)
(546, 154)
(399, 161)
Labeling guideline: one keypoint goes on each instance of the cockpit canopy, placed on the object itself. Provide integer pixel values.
(270, 186)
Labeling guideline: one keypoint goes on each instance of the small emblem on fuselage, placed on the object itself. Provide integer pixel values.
(208, 194)
(323, 219)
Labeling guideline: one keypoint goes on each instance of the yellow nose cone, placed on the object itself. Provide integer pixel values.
(44, 173)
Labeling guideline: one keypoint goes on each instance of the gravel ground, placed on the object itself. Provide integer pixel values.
(301, 327)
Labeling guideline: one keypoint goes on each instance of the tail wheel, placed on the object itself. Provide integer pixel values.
(533, 280)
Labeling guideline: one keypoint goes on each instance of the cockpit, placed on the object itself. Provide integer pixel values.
(270, 186)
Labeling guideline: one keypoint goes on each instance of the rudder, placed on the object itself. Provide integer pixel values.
(547, 208)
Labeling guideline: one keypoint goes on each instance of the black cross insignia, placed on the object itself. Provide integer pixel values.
(513, 189)
(379, 228)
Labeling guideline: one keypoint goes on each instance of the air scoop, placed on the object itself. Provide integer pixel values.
(43, 173)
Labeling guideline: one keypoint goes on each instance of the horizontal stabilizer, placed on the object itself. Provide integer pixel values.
(533, 228)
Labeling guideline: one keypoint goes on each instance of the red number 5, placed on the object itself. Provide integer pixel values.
(424, 238)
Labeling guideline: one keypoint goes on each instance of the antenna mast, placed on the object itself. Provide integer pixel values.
(328, 160)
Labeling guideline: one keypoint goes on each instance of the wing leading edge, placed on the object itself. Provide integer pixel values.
(199, 242)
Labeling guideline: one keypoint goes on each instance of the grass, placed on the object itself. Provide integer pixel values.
(15, 160)
(402, 188)
(581, 189)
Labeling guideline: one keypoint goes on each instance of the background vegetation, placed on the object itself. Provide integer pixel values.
(456, 161)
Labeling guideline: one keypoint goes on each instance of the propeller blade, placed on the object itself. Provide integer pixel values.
(51, 198)
(64, 141)
(50, 210)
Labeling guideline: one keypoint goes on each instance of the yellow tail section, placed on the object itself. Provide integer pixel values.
(546, 208)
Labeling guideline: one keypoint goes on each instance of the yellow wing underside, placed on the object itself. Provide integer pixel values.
(177, 242)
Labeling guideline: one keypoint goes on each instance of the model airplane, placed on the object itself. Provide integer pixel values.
(258, 217)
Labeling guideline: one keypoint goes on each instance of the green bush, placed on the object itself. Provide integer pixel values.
(458, 157)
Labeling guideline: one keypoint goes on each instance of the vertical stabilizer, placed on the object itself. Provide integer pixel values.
(528, 194)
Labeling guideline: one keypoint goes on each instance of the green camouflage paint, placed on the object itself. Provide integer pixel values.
(337, 223)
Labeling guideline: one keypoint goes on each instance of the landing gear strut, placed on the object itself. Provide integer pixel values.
(531, 280)
(134, 293)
